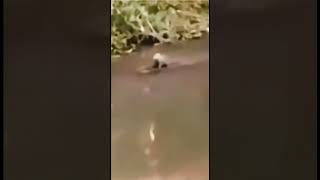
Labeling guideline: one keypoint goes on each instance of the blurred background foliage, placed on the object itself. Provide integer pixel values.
(135, 22)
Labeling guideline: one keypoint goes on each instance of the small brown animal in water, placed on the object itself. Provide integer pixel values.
(157, 64)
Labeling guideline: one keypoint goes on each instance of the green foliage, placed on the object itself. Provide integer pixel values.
(164, 21)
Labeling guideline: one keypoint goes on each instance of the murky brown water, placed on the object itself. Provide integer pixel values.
(160, 121)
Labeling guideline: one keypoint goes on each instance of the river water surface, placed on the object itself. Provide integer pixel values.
(160, 122)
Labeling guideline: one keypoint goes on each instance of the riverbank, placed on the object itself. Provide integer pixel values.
(135, 23)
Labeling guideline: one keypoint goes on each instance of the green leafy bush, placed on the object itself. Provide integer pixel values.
(163, 21)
